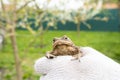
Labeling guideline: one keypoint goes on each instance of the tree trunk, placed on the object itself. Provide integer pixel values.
(14, 42)
(15, 52)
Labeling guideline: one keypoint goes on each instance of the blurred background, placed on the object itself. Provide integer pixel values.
(27, 28)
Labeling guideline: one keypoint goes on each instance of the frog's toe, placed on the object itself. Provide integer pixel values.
(50, 56)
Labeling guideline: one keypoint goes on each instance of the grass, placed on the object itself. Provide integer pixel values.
(106, 42)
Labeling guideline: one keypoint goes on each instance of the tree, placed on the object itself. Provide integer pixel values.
(77, 11)
(8, 17)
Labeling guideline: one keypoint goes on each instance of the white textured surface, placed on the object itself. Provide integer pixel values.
(93, 66)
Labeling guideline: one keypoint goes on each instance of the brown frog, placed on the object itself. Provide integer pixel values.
(64, 46)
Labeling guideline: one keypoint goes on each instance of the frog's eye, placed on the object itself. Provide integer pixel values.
(65, 38)
(54, 40)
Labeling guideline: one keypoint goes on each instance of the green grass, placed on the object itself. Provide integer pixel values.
(106, 42)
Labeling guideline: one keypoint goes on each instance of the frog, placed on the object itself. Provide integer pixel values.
(64, 46)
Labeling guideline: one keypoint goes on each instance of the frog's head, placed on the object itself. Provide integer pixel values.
(64, 40)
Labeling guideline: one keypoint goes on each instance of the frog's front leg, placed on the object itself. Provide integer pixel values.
(49, 55)
(77, 57)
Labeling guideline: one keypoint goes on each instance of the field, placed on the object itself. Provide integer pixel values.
(30, 49)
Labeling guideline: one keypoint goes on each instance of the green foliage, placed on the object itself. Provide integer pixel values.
(112, 1)
(105, 42)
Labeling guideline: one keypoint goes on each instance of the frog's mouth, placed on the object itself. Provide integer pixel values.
(62, 42)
